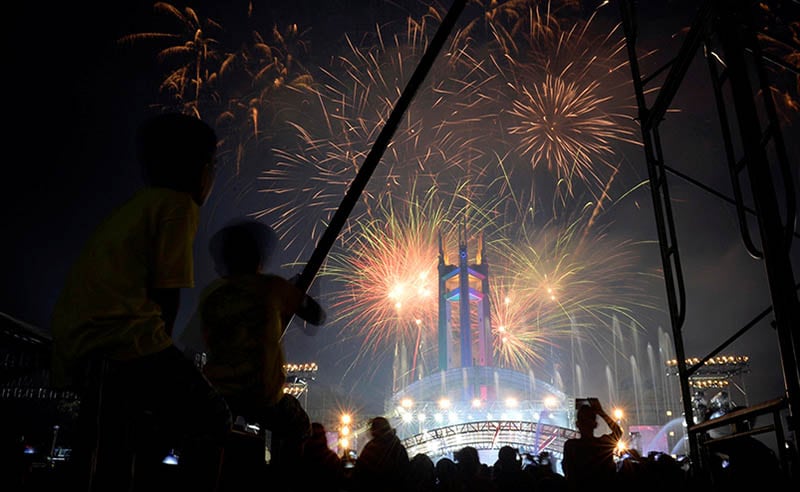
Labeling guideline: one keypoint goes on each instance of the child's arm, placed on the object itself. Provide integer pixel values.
(311, 311)
(169, 300)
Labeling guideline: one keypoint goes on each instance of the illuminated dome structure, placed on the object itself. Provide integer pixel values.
(480, 406)
(469, 401)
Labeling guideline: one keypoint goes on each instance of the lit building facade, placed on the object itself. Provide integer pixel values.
(470, 401)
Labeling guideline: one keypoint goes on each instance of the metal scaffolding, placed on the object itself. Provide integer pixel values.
(728, 34)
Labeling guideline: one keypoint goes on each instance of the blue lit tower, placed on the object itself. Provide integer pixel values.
(464, 286)
(471, 400)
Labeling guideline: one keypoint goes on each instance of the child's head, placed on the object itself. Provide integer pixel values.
(242, 246)
(177, 152)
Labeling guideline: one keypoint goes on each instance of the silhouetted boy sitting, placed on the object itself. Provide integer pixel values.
(119, 304)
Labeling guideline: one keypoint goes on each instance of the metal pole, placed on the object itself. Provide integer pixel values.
(378, 148)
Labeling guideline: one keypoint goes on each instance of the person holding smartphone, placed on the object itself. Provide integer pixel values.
(588, 461)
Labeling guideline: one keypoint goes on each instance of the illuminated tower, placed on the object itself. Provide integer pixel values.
(464, 287)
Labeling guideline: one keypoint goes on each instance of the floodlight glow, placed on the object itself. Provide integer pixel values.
(171, 458)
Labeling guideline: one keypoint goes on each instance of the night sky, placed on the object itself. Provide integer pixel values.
(74, 95)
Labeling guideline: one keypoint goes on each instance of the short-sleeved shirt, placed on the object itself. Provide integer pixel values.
(104, 306)
(243, 319)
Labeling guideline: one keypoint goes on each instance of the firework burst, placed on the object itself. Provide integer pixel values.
(566, 113)
(388, 271)
(248, 91)
(780, 48)
(518, 343)
(435, 144)
(193, 58)
(571, 278)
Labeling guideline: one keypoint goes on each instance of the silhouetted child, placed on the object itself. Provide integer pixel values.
(589, 460)
(119, 303)
(242, 316)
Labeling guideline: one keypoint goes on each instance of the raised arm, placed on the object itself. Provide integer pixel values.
(616, 430)
(309, 309)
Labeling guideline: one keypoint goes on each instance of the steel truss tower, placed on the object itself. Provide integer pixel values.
(729, 36)
(465, 285)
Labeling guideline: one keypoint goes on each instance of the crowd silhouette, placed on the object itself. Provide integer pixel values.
(383, 465)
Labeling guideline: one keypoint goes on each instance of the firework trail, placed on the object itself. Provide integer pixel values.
(571, 98)
(779, 42)
(193, 57)
(569, 277)
(435, 145)
(248, 91)
(519, 343)
(265, 86)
